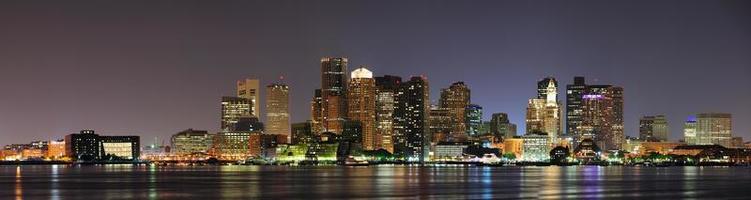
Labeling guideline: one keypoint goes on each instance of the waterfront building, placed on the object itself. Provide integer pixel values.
(543, 112)
(456, 98)
(56, 149)
(83, 145)
(500, 126)
(653, 128)
(514, 146)
(689, 131)
(536, 147)
(361, 96)
(249, 89)
(191, 141)
(736, 142)
(233, 145)
(595, 112)
(333, 93)
(264, 145)
(411, 139)
(449, 151)
(233, 108)
(277, 109)
(121, 147)
(387, 87)
(473, 120)
(714, 128)
(352, 132)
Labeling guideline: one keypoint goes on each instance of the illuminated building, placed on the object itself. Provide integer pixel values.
(535, 147)
(250, 89)
(543, 112)
(574, 106)
(277, 109)
(352, 131)
(302, 133)
(689, 131)
(248, 123)
(513, 145)
(291, 153)
(361, 97)
(56, 149)
(387, 87)
(456, 98)
(663, 148)
(600, 116)
(191, 141)
(714, 128)
(233, 108)
(333, 93)
(233, 145)
(473, 120)
(316, 112)
(440, 123)
(653, 128)
(258, 144)
(121, 147)
(411, 120)
(83, 145)
(501, 127)
(449, 150)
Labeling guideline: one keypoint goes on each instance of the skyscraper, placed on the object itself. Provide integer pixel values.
(543, 112)
(411, 120)
(249, 89)
(689, 131)
(440, 123)
(473, 120)
(333, 93)
(361, 98)
(653, 128)
(456, 98)
(500, 126)
(387, 86)
(574, 106)
(233, 108)
(277, 109)
(714, 128)
(602, 119)
(316, 112)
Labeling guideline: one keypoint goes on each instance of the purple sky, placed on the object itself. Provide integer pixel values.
(153, 69)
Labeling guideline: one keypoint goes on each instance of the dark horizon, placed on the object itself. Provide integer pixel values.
(156, 68)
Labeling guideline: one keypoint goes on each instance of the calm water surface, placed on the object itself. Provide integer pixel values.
(383, 182)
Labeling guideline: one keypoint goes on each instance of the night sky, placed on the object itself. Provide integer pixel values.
(155, 68)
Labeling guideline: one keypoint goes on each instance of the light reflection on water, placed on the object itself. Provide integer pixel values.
(384, 182)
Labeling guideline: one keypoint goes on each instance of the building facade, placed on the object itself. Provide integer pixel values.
(595, 112)
(501, 127)
(411, 120)
(653, 128)
(362, 105)
(387, 87)
(714, 128)
(191, 141)
(456, 98)
(277, 109)
(473, 120)
(333, 93)
(250, 90)
(543, 112)
(233, 108)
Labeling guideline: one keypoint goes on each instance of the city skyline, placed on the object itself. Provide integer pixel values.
(162, 93)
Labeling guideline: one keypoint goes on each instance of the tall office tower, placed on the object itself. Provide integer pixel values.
(714, 128)
(361, 97)
(191, 141)
(333, 93)
(602, 116)
(473, 120)
(440, 123)
(653, 128)
(456, 98)
(689, 131)
(233, 108)
(277, 109)
(500, 126)
(411, 120)
(574, 107)
(249, 89)
(316, 112)
(543, 112)
(387, 87)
